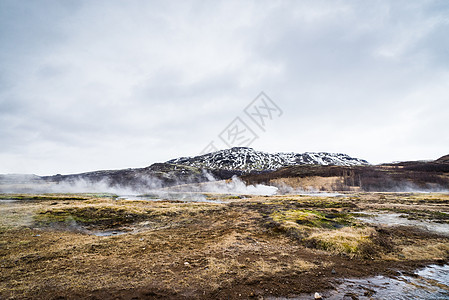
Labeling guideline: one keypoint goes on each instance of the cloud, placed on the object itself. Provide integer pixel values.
(98, 85)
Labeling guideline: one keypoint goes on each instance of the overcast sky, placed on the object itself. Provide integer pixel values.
(88, 85)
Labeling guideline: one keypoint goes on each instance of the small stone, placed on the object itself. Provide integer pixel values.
(186, 263)
(333, 271)
(318, 296)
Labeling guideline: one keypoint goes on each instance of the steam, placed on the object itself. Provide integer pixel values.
(86, 186)
(34, 184)
(68, 186)
(409, 187)
(237, 186)
(285, 189)
(154, 187)
(403, 186)
(141, 185)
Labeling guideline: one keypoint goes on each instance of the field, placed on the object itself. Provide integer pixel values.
(67, 246)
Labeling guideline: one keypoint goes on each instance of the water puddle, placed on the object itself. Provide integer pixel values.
(109, 233)
(395, 219)
(429, 283)
(140, 197)
(6, 201)
(323, 194)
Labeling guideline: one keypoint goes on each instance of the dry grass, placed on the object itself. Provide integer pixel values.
(349, 240)
(428, 251)
(193, 248)
(418, 250)
(335, 232)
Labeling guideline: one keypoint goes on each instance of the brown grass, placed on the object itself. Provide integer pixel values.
(199, 250)
(349, 240)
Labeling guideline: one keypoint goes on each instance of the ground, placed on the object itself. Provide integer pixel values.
(235, 248)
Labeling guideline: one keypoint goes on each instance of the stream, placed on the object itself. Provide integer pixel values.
(429, 283)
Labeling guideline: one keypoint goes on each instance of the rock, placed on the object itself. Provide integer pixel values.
(318, 296)
(333, 271)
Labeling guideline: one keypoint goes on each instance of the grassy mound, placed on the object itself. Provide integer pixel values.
(312, 218)
(333, 231)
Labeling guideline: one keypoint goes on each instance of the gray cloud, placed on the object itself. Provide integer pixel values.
(109, 84)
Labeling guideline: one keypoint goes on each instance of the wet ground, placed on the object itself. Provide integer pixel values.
(372, 245)
(398, 219)
(429, 283)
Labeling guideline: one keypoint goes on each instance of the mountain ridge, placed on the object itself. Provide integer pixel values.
(443, 159)
(219, 165)
(249, 160)
(319, 170)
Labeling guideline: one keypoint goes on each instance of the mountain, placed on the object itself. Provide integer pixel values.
(297, 171)
(217, 165)
(246, 160)
(443, 159)
(390, 177)
(155, 176)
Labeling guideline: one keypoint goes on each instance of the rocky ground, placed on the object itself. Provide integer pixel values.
(61, 246)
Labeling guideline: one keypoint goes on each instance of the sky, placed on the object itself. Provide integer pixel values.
(89, 85)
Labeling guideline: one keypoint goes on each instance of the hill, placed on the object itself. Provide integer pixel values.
(288, 171)
(402, 176)
(247, 160)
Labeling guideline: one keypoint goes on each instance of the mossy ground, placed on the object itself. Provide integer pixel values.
(313, 218)
(331, 231)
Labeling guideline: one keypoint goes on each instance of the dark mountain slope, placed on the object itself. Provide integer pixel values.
(402, 176)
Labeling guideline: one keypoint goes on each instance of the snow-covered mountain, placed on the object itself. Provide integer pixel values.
(247, 160)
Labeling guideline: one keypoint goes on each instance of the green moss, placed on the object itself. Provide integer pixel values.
(436, 216)
(312, 218)
(320, 203)
(101, 195)
(230, 197)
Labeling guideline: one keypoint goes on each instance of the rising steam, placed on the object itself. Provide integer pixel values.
(142, 185)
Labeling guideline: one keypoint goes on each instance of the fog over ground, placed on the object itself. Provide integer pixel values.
(88, 85)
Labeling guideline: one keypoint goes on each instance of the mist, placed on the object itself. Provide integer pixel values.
(143, 185)
(234, 186)
(189, 190)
